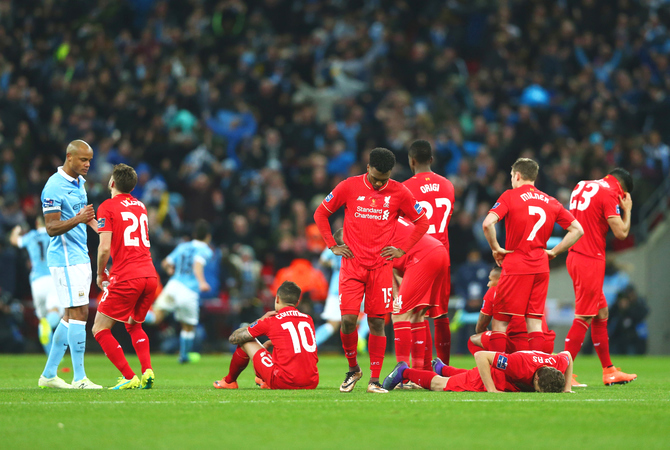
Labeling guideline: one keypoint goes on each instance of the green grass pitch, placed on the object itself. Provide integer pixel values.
(185, 411)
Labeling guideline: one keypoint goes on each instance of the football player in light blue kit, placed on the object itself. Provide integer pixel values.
(45, 299)
(331, 311)
(181, 295)
(66, 213)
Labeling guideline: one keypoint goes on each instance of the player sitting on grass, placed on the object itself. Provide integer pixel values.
(517, 336)
(292, 364)
(495, 372)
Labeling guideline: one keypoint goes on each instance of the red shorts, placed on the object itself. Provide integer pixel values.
(588, 276)
(442, 306)
(128, 298)
(375, 284)
(520, 295)
(470, 381)
(423, 283)
(274, 376)
(516, 342)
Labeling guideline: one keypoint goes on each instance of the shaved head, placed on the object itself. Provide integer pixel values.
(76, 146)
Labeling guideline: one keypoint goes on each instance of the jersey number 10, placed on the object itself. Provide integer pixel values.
(299, 336)
(142, 223)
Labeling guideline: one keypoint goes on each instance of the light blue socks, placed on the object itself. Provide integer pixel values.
(59, 344)
(76, 338)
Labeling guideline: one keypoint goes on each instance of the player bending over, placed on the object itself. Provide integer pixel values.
(495, 372)
(517, 336)
(124, 235)
(292, 364)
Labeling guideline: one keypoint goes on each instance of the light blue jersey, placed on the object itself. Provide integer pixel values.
(183, 257)
(66, 195)
(37, 244)
(334, 261)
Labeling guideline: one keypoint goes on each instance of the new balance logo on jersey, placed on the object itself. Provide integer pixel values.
(387, 201)
(140, 340)
(361, 198)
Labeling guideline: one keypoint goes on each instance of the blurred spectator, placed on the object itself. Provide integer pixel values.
(627, 328)
(616, 280)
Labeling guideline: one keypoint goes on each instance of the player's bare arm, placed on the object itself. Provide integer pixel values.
(104, 250)
(390, 253)
(489, 227)
(199, 272)
(14, 236)
(620, 225)
(56, 227)
(240, 336)
(482, 323)
(568, 373)
(167, 267)
(484, 361)
(575, 231)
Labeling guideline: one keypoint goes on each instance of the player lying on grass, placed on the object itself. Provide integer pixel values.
(495, 372)
(517, 336)
(292, 364)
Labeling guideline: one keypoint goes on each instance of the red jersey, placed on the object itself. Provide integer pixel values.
(435, 194)
(520, 367)
(126, 218)
(592, 203)
(425, 246)
(529, 216)
(292, 334)
(370, 215)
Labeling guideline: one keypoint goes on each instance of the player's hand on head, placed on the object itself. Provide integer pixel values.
(626, 202)
(343, 251)
(391, 253)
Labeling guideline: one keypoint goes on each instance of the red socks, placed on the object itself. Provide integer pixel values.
(238, 363)
(420, 377)
(536, 341)
(350, 345)
(498, 341)
(442, 338)
(575, 337)
(601, 341)
(448, 371)
(114, 352)
(402, 332)
(473, 348)
(376, 349)
(418, 345)
(140, 344)
(428, 356)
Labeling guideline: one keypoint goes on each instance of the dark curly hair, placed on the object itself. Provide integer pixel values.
(382, 159)
(421, 151)
(550, 379)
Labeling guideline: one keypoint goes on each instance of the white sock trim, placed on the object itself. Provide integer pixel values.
(78, 322)
(187, 334)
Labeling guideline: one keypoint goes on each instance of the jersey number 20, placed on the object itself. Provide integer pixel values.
(142, 223)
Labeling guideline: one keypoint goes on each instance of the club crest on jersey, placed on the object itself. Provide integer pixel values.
(387, 201)
(618, 210)
(101, 223)
(496, 205)
(329, 197)
(373, 202)
(501, 362)
(418, 208)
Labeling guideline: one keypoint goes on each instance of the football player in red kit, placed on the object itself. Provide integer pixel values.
(124, 235)
(529, 217)
(435, 194)
(422, 285)
(517, 336)
(292, 364)
(373, 202)
(525, 371)
(599, 205)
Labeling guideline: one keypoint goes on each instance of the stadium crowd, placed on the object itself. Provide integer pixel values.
(247, 113)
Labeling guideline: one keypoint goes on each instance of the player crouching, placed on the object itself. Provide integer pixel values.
(525, 371)
(292, 364)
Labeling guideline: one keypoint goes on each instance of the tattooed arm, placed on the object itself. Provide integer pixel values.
(240, 336)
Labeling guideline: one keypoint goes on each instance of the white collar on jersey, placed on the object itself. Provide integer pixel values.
(62, 173)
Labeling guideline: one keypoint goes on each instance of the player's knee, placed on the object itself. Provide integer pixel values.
(376, 326)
